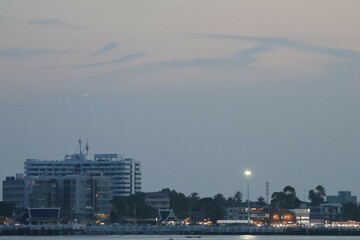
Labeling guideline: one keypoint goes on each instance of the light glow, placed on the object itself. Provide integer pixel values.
(247, 172)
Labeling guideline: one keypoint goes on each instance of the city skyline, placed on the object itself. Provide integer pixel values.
(197, 91)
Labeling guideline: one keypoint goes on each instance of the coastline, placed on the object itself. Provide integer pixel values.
(78, 229)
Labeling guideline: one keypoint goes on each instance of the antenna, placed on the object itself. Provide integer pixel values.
(80, 146)
(87, 148)
(267, 192)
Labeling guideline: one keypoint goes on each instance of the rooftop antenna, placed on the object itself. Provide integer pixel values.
(80, 146)
(87, 148)
(267, 192)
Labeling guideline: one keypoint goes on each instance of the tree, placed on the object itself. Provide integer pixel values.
(220, 199)
(178, 202)
(261, 201)
(317, 195)
(238, 197)
(211, 208)
(132, 206)
(193, 201)
(285, 199)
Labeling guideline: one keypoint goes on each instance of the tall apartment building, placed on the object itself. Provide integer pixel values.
(125, 174)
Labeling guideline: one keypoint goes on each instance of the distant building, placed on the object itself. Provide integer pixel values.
(342, 198)
(158, 200)
(167, 217)
(326, 212)
(14, 189)
(258, 214)
(302, 215)
(125, 173)
(82, 188)
(81, 197)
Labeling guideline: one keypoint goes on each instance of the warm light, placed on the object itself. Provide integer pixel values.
(247, 172)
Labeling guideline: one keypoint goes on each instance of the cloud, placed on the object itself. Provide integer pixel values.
(284, 42)
(108, 47)
(50, 22)
(122, 59)
(238, 60)
(25, 53)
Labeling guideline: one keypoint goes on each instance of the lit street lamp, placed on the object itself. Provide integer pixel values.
(248, 174)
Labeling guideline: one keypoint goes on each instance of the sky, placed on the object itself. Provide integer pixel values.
(197, 91)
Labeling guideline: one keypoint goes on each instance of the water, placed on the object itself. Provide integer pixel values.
(177, 237)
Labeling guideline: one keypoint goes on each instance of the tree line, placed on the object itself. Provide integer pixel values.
(214, 207)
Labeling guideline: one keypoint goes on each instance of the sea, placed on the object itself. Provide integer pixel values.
(177, 237)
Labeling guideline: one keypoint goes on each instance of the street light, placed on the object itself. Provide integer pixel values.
(248, 174)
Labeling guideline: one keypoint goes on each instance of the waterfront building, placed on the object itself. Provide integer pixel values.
(326, 211)
(40, 216)
(14, 189)
(342, 198)
(83, 197)
(41, 192)
(258, 214)
(158, 200)
(302, 215)
(125, 173)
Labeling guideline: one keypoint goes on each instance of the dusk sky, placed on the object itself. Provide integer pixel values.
(197, 90)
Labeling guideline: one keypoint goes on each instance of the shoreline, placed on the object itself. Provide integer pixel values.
(78, 229)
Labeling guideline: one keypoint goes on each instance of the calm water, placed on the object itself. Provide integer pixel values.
(167, 237)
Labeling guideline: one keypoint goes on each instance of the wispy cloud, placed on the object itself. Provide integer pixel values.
(238, 60)
(284, 42)
(108, 47)
(55, 22)
(25, 53)
(119, 60)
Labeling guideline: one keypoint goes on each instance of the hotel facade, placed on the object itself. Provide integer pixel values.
(125, 174)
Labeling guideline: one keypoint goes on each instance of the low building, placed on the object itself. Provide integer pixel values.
(302, 215)
(167, 217)
(39, 216)
(158, 200)
(342, 198)
(257, 214)
(325, 212)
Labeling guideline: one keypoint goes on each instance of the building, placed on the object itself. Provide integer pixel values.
(342, 198)
(302, 215)
(257, 214)
(14, 189)
(41, 192)
(125, 173)
(326, 212)
(82, 197)
(158, 200)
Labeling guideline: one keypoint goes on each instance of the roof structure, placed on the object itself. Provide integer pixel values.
(43, 215)
(167, 215)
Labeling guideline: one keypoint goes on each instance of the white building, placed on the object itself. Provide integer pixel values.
(158, 200)
(125, 173)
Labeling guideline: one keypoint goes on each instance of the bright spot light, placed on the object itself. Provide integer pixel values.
(247, 172)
